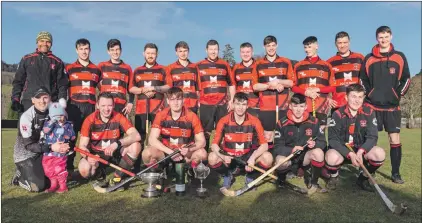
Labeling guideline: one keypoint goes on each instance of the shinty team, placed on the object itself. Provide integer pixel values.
(186, 101)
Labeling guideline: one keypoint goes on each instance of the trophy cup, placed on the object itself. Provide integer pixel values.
(151, 178)
(201, 172)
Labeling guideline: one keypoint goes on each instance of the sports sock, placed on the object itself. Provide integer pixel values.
(395, 156)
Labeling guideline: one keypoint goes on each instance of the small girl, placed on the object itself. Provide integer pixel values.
(57, 129)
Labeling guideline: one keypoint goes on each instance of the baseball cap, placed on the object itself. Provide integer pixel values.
(40, 92)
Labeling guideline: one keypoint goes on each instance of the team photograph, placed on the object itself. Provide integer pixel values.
(145, 114)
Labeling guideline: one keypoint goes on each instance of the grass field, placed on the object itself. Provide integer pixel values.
(267, 204)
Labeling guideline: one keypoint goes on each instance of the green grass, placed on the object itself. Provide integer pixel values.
(346, 204)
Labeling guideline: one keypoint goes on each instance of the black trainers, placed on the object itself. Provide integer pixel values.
(363, 183)
(332, 183)
(15, 179)
(396, 178)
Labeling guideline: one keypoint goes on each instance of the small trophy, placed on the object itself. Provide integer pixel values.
(201, 172)
(150, 179)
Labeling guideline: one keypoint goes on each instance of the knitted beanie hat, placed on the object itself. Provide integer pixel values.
(45, 35)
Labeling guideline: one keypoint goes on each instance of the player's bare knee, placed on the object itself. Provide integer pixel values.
(317, 155)
(213, 158)
(283, 166)
(333, 158)
(200, 154)
(394, 138)
(84, 168)
(266, 158)
(376, 154)
(135, 149)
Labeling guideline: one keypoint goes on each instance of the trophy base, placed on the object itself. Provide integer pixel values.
(150, 194)
(202, 192)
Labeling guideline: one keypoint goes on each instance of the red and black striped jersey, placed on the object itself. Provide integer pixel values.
(103, 134)
(346, 72)
(115, 79)
(176, 133)
(315, 74)
(237, 139)
(186, 79)
(281, 68)
(83, 81)
(245, 77)
(150, 77)
(213, 79)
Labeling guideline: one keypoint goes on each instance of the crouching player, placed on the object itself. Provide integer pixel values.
(237, 132)
(101, 135)
(293, 131)
(356, 125)
(175, 127)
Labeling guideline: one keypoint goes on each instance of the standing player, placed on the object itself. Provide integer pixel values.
(315, 80)
(150, 82)
(101, 135)
(294, 130)
(386, 78)
(356, 125)
(214, 78)
(275, 78)
(83, 77)
(116, 76)
(184, 75)
(174, 128)
(345, 67)
(237, 132)
(39, 69)
(245, 77)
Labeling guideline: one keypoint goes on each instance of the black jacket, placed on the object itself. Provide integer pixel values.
(365, 132)
(386, 77)
(40, 69)
(289, 134)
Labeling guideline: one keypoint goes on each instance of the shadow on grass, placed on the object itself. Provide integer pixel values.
(267, 204)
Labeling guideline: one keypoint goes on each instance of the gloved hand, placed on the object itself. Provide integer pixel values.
(16, 106)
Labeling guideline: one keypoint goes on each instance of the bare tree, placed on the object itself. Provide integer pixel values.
(411, 102)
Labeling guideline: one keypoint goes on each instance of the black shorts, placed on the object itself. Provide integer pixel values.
(298, 159)
(32, 176)
(267, 119)
(141, 120)
(210, 115)
(77, 113)
(322, 118)
(194, 110)
(236, 167)
(389, 120)
(115, 158)
(254, 112)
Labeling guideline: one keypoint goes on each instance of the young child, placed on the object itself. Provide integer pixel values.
(57, 129)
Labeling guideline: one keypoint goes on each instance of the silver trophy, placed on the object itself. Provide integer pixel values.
(151, 179)
(201, 172)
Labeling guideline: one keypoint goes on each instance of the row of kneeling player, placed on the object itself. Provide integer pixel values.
(240, 134)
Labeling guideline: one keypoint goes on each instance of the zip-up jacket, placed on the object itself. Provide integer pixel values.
(289, 133)
(37, 70)
(28, 143)
(359, 132)
(386, 77)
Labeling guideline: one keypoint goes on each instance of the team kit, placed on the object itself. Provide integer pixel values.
(264, 118)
